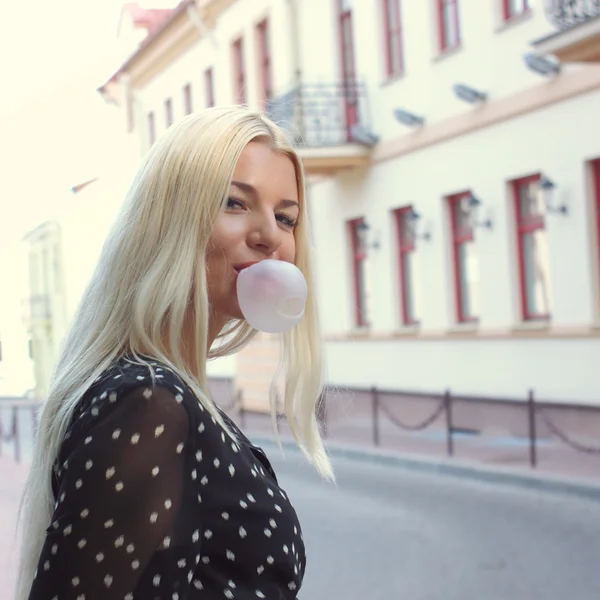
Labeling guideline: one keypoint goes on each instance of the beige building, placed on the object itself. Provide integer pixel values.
(44, 309)
(453, 150)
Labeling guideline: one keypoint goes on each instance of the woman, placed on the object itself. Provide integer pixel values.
(140, 487)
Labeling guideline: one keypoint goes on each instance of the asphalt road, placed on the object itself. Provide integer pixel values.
(388, 534)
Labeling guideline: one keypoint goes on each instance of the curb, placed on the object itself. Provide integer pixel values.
(495, 475)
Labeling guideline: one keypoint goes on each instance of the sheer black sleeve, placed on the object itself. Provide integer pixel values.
(123, 487)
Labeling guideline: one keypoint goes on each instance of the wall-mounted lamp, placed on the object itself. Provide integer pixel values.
(541, 64)
(473, 204)
(364, 241)
(548, 186)
(361, 135)
(468, 94)
(413, 218)
(408, 118)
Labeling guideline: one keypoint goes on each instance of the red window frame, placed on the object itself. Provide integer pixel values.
(596, 183)
(187, 98)
(168, 112)
(348, 64)
(209, 88)
(264, 59)
(461, 235)
(392, 27)
(358, 257)
(406, 247)
(239, 71)
(452, 7)
(510, 12)
(524, 227)
(151, 128)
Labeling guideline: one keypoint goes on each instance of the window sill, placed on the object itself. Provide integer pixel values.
(391, 79)
(537, 325)
(466, 327)
(362, 331)
(444, 54)
(407, 330)
(514, 21)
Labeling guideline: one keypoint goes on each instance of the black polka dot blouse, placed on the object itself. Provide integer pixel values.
(154, 501)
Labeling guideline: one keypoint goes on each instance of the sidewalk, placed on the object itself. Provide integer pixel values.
(490, 457)
(498, 453)
(12, 480)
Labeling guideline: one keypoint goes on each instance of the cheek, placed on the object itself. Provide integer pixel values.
(288, 250)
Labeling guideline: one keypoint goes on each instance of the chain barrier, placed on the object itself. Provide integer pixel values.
(423, 425)
(564, 437)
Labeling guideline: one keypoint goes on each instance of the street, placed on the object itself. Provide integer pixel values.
(385, 533)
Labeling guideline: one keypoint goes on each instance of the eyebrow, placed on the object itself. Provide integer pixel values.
(250, 189)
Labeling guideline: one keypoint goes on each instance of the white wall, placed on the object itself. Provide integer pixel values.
(557, 141)
(215, 51)
(490, 58)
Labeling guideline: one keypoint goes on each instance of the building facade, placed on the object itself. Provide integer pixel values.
(453, 155)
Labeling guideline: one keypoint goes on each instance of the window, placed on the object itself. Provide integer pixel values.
(514, 8)
(596, 181)
(359, 271)
(448, 24)
(466, 272)
(406, 264)
(209, 88)
(534, 271)
(348, 65)
(151, 128)
(168, 112)
(239, 72)
(264, 57)
(187, 99)
(393, 37)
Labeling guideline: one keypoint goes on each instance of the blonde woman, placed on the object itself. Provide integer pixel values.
(140, 487)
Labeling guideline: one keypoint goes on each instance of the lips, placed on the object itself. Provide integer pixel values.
(243, 266)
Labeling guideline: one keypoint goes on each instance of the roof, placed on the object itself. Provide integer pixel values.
(168, 16)
(149, 18)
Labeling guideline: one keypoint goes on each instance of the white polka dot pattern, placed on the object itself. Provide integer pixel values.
(155, 500)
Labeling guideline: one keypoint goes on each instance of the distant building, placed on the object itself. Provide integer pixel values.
(453, 150)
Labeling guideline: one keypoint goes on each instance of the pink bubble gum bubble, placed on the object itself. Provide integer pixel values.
(272, 295)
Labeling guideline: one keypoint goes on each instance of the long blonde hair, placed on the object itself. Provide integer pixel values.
(136, 301)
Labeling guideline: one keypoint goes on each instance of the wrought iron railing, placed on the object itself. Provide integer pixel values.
(566, 13)
(322, 114)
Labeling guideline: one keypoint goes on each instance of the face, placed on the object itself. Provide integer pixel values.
(258, 222)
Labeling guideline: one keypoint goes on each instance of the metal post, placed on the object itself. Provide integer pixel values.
(449, 423)
(323, 410)
(532, 430)
(375, 407)
(241, 411)
(15, 433)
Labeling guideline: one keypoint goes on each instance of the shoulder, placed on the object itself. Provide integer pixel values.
(127, 393)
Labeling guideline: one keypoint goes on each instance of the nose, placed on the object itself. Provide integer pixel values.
(264, 235)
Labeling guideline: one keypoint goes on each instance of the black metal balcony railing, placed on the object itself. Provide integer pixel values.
(566, 13)
(321, 115)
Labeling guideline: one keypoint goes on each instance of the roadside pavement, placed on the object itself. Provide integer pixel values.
(12, 480)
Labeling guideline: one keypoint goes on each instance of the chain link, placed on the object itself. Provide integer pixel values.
(423, 425)
(563, 436)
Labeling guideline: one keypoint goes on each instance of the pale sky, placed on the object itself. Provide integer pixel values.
(55, 131)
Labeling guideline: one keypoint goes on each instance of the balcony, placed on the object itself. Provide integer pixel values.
(329, 123)
(578, 35)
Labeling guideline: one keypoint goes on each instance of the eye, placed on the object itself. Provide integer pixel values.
(287, 221)
(234, 203)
